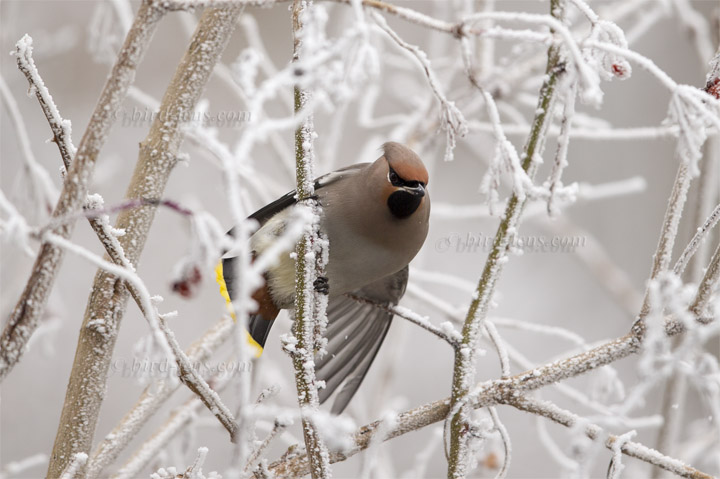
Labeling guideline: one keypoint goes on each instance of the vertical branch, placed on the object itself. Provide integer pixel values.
(464, 366)
(305, 272)
(25, 318)
(108, 299)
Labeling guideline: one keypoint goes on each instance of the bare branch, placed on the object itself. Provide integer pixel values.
(26, 315)
(158, 154)
(61, 128)
(452, 339)
(595, 432)
(700, 235)
(310, 315)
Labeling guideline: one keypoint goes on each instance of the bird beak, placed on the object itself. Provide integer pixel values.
(417, 190)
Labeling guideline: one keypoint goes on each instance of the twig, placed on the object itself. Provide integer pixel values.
(561, 162)
(499, 347)
(696, 240)
(109, 295)
(582, 133)
(452, 339)
(707, 287)
(307, 313)
(463, 372)
(197, 384)
(26, 315)
(277, 428)
(61, 128)
(42, 189)
(595, 432)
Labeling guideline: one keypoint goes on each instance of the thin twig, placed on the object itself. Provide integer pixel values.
(707, 287)
(61, 128)
(423, 322)
(595, 432)
(700, 235)
(453, 121)
(277, 428)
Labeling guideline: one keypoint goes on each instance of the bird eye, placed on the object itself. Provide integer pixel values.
(394, 178)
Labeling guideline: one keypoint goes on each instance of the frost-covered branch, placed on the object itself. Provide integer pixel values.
(445, 331)
(40, 187)
(108, 299)
(198, 385)
(700, 236)
(31, 304)
(61, 128)
(464, 368)
(311, 254)
(611, 441)
(707, 287)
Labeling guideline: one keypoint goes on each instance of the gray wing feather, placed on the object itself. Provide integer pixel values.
(355, 332)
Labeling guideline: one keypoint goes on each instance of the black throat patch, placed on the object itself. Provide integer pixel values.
(403, 203)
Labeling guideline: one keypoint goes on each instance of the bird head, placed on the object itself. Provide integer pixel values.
(405, 180)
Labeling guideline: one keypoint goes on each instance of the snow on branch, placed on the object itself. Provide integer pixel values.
(615, 443)
(194, 471)
(157, 156)
(700, 236)
(464, 370)
(61, 128)
(74, 468)
(311, 251)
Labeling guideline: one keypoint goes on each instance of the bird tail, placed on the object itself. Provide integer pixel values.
(255, 335)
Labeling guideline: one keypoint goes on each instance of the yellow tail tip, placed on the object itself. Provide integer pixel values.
(220, 278)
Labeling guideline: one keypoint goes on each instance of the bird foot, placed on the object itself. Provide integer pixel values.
(322, 285)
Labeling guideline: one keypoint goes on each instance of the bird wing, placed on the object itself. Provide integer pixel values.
(355, 332)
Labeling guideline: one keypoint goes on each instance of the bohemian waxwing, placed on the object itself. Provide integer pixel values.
(375, 216)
